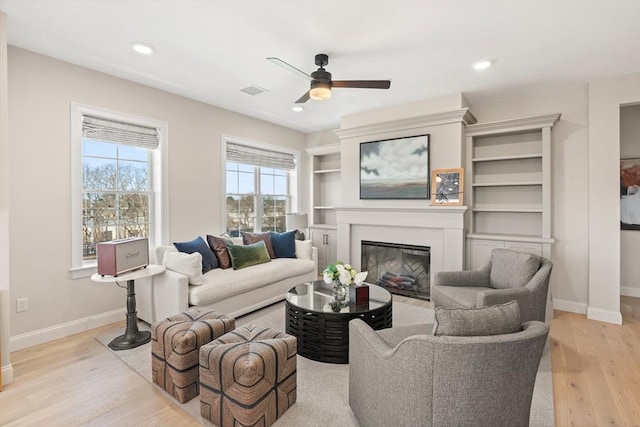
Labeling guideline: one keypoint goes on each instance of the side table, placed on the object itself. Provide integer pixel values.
(132, 337)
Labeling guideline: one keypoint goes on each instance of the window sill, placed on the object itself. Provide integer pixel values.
(86, 270)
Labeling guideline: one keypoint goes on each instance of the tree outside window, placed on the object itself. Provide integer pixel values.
(257, 198)
(116, 195)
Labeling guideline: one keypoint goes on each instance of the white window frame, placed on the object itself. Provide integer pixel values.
(159, 168)
(294, 174)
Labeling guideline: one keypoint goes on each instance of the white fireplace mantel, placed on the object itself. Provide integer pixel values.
(441, 228)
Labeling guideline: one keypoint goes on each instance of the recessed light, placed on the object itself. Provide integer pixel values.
(142, 48)
(297, 108)
(482, 65)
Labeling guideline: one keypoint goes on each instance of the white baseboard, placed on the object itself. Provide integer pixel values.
(29, 339)
(628, 291)
(570, 306)
(604, 315)
(7, 374)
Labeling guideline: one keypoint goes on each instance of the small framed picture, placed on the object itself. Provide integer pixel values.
(447, 186)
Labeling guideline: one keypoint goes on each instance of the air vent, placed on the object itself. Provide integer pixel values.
(253, 90)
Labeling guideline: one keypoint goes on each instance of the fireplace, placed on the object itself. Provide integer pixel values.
(401, 269)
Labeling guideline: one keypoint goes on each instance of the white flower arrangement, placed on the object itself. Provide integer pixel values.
(344, 273)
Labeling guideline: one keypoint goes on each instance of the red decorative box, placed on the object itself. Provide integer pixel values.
(359, 294)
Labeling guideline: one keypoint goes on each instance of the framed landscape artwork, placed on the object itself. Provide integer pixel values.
(395, 168)
(630, 194)
(447, 187)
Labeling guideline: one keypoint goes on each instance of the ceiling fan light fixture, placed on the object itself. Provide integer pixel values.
(320, 91)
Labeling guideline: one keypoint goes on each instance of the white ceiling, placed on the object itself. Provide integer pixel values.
(209, 50)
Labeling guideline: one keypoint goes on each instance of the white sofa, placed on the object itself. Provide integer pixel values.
(228, 291)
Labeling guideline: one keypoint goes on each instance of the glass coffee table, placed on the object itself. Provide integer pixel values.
(321, 324)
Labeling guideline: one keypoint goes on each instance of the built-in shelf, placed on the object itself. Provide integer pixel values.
(514, 210)
(324, 226)
(499, 158)
(528, 238)
(509, 187)
(327, 171)
(326, 189)
(505, 184)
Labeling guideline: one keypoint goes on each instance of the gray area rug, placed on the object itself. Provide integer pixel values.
(323, 388)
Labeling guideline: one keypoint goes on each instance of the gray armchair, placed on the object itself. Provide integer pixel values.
(405, 377)
(506, 276)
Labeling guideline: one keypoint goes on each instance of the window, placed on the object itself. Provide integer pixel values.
(116, 193)
(118, 185)
(260, 188)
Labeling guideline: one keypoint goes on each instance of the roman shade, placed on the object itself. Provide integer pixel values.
(117, 132)
(244, 154)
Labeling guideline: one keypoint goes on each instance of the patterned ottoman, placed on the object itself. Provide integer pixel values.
(248, 377)
(175, 346)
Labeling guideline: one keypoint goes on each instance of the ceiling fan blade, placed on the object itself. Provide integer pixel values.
(363, 84)
(304, 98)
(279, 62)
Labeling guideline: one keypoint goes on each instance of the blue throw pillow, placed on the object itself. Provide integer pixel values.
(284, 244)
(209, 260)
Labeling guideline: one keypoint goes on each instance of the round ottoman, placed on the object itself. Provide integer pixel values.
(175, 346)
(248, 377)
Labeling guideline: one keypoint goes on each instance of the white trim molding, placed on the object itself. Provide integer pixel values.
(630, 291)
(604, 315)
(513, 125)
(7, 374)
(63, 330)
(570, 306)
(462, 115)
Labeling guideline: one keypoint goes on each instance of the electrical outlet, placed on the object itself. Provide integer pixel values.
(22, 304)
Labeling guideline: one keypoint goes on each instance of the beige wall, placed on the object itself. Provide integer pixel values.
(40, 92)
(630, 239)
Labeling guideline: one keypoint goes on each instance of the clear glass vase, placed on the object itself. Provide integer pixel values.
(340, 293)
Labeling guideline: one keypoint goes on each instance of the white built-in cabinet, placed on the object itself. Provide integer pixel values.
(325, 239)
(508, 174)
(326, 194)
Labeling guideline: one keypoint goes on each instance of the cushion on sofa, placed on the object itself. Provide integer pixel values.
(209, 260)
(304, 249)
(249, 238)
(494, 320)
(243, 256)
(219, 247)
(188, 264)
(159, 252)
(510, 269)
(222, 284)
(284, 244)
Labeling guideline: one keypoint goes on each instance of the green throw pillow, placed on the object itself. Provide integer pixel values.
(494, 320)
(247, 255)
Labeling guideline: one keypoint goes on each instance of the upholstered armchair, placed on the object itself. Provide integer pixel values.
(406, 376)
(506, 276)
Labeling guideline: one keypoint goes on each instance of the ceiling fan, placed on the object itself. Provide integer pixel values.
(321, 82)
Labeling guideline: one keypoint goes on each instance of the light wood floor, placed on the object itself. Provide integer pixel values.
(76, 381)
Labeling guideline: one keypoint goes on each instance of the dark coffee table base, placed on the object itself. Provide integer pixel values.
(325, 336)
